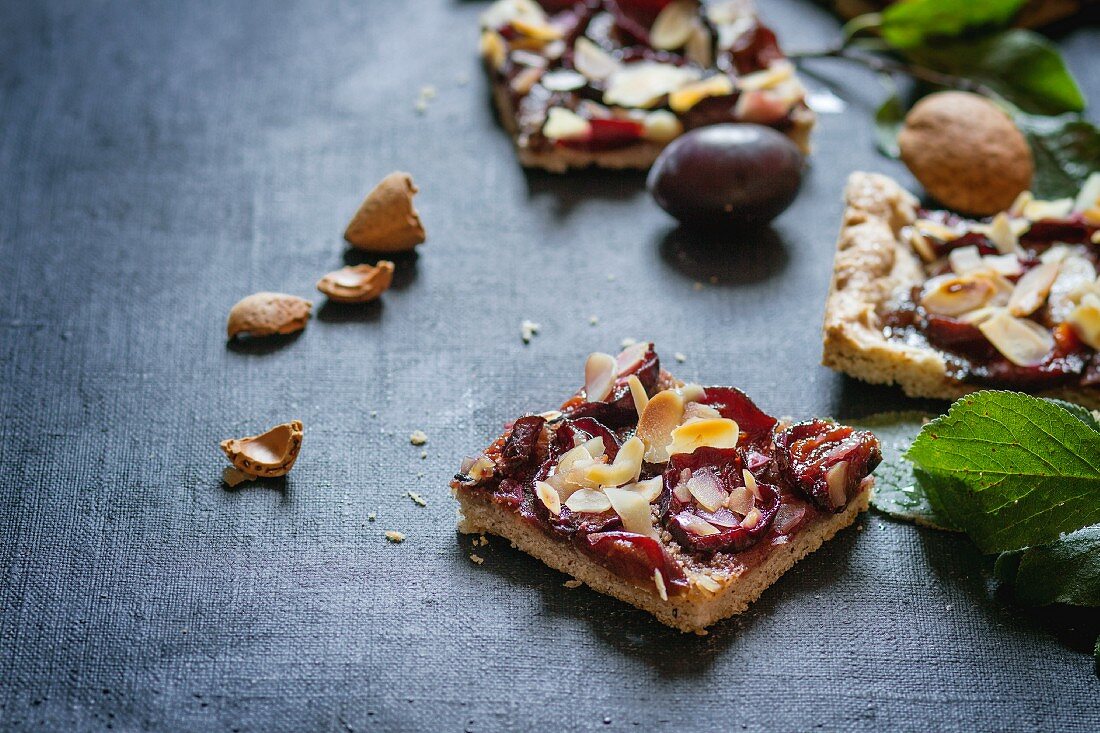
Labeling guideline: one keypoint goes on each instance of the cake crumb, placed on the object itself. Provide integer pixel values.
(477, 558)
(697, 286)
(573, 583)
(418, 437)
(417, 499)
(528, 330)
(593, 321)
(679, 357)
(611, 277)
(423, 454)
(462, 79)
(394, 536)
(627, 342)
(713, 279)
(374, 413)
(371, 517)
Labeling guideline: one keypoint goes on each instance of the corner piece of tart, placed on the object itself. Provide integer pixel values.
(609, 83)
(943, 305)
(685, 501)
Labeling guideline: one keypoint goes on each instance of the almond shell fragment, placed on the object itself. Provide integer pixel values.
(268, 314)
(387, 221)
(269, 454)
(357, 284)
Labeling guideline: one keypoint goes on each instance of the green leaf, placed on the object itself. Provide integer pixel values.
(888, 121)
(1011, 470)
(898, 493)
(1084, 414)
(1066, 150)
(1021, 66)
(1096, 656)
(914, 22)
(1064, 571)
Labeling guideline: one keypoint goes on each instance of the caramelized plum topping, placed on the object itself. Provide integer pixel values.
(619, 411)
(635, 556)
(735, 405)
(519, 453)
(825, 461)
(607, 134)
(585, 427)
(753, 51)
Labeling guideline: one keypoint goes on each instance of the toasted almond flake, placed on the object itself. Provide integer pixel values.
(572, 457)
(662, 126)
(650, 489)
(740, 500)
(1088, 198)
(594, 446)
(493, 49)
(692, 392)
(836, 478)
(699, 48)
(1032, 289)
(704, 486)
(503, 12)
(637, 393)
(921, 246)
(1054, 209)
(394, 536)
(673, 25)
(688, 96)
(631, 356)
(523, 82)
(752, 518)
(698, 525)
(1021, 341)
(1006, 265)
(234, 477)
(563, 80)
(659, 581)
(417, 499)
(1019, 205)
(699, 411)
(572, 584)
(625, 468)
(965, 260)
(777, 72)
(588, 501)
(1085, 320)
(565, 124)
(418, 437)
(932, 228)
(527, 330)
(633, 509)
(661, 416)
(595, 63)
(643, 83)
(1076, 278)
(549, 497)
(272, 453)
(953, 295)
(708, 583)
(600, 371)
(536, 30)
(712, 433)
(750, 482)
(1003, 235)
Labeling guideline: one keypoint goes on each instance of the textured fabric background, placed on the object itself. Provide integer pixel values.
(160, 160)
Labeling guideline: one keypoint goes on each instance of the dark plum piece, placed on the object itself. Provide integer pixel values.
(619, 411)
(607, 134)
(735, 405)
(727, 175)
(635, 557)
(1073, 230)
(566, 437)
(753, 50)
(810, 457)
(951, 334)
(970, 239)
(729, 539)
(518, 454)
(717, 458)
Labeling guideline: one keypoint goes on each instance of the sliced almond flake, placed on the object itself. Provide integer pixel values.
(712, 433)
(1007, 265)
(594, 446)
(935, 229)
(659, 581)
(503, 12)
(691, 94)
(752, 518)
(1085, 320)
(692, 392)
(662, 126)
(1088, 199)
(836, 479)
(965, 259)
(563, 80)
(1054, 209)
(537, 30)
(740, 500)
(750, 482)
(633, 510)
(662, 414)
(704, 487)
(588, 501)
(637, 393)
(699, 48)
(1003, 235)
(650, 489)
(600, 371)
(565, 124)
(1021, 341)
(493, 50)
(673, 25)
(777, 72)
(549, 497)
(523, 82)
(1019, 205)
(953, 295)
(625, 468)
(1032, 289)
(921, 245)
(642, 84)
(592, 61)
(729, 32)
(698, 525)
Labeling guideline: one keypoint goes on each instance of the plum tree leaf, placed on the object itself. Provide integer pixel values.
(1010, 469)
(1066, 150)
(913, 23)
(1064, 571)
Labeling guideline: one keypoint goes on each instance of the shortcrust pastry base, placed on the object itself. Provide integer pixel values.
(871, 265)
(692, 610)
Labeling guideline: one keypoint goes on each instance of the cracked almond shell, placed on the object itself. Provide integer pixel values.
(268, 314)
(269, 454)
(386, 220)
(966, 152)
(357, 284)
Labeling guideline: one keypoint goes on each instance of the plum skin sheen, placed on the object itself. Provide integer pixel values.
(736, 173)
